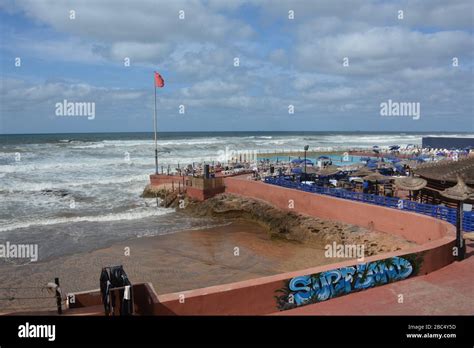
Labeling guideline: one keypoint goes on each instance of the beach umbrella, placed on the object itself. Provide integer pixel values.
(297, 161)
(297, 170)
(410, 183)
(394, 147)
(371, 165)
(362, 172)
(312, 170)
(328, 171)
(377, 177)
(323, 157)
(308, 162)
(409, 163)
(384, 165)
(460, 192)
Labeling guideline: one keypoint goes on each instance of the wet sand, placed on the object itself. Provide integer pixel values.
(174, 262)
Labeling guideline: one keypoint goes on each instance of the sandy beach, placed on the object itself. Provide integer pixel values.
(174, 262)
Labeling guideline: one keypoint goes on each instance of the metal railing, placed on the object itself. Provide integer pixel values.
(443, 213)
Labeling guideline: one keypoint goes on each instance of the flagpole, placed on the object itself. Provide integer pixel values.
(156, 141)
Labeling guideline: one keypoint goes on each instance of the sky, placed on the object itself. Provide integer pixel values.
(302, 65)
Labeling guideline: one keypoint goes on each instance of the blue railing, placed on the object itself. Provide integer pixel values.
(439, 212)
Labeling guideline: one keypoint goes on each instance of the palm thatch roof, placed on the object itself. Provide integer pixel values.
(377, 177)
(448, 170)
(363, 172)
(410, 163)
(328, 171)
(311, 170)
(410, 183)
(459, 192)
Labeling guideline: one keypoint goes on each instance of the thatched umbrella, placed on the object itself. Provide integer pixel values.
(364, 171)
(312, 170)
(460, 192)
(374, 177)
(410, 183)
(328, 171)
(382, 165)
(410, 163)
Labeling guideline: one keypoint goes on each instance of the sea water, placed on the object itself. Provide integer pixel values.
(77, 192)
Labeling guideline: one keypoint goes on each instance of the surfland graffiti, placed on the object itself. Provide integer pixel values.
(325, 285)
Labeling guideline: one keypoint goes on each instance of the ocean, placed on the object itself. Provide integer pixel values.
(72, 193)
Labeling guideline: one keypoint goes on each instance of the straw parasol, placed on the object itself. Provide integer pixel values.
(377, 177)
(328, 171)
(410, 183)
(387, 165)
(364, 171)
(460, 192)
(410, 163)
(311, 170)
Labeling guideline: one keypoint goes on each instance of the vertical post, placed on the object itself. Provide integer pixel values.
(156, 141)
(459, 237)
(305, 164)
(58, 296)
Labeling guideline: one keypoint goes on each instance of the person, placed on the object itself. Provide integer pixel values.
(365, 187)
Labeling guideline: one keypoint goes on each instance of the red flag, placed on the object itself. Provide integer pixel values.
(159, 82)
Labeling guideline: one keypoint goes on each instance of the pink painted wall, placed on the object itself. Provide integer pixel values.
(435, 241)
(413, 227)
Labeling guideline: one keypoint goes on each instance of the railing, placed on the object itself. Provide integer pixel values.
(436, 211)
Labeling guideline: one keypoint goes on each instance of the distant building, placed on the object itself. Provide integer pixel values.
(447, 142)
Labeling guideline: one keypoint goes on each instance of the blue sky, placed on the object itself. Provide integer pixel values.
(283, 62)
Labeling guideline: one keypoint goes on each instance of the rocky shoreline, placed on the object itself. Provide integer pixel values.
(280, 224)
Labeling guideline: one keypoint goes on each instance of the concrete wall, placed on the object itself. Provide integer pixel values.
(435, 241)
(411, 226)
(156, 180)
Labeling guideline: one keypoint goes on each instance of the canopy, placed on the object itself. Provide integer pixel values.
(297, 170)
(459, 192)
(410, 183)
(377, 177)
(311, 170)
(362, 172)
(328, 171)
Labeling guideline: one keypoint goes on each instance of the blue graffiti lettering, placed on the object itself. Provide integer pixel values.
(329, 284)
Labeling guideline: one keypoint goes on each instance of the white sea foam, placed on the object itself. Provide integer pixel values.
(129, 215)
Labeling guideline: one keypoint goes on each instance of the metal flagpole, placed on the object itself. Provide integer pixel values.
(156, 141)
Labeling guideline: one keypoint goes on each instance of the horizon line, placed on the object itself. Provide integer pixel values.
(254, 131)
